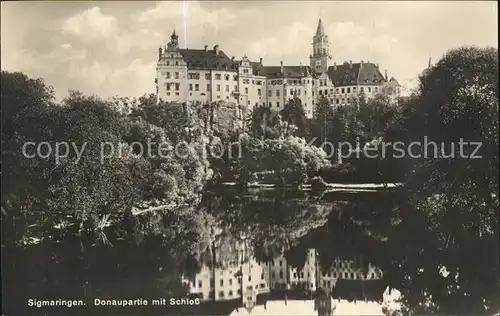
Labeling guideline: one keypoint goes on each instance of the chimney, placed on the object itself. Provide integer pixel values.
(361, 64)
(206, 48)
(160, 51)
(232, 59)
(216, 49)
(261, 60)
(334, 66)
(386, 75)
(350, 64)
(282, 67)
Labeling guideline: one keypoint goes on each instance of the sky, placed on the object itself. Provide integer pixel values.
(111, 48)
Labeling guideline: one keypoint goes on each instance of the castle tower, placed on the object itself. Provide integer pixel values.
(174, 42)
(321, 50)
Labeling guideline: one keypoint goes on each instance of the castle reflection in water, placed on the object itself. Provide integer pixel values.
(247, 282)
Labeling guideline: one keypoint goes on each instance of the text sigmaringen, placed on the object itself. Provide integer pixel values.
(55, 303)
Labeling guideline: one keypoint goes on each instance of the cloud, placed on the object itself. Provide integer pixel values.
(26, 60)
(143, 39)
(91, 24)
(189, 13)
(359, 40)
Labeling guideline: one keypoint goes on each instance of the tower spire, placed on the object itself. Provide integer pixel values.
(320, 30)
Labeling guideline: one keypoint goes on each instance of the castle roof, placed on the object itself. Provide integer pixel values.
(353, 74)
(288, 71)
(207, 59)
(394, 81)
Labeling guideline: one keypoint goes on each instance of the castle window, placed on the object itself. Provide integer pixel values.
(177, 63)
(281, 274)
(200, 284)
(217, 76)
(230, 293)
(176, 75)
(168, 75)
(277, 104)
(245, 71)
(226, 77)
(230, 281)
(235, 78)
(207, 76)
(343, 90)
(249, 278)
(177, 87)
(277, 93)
(369, 89)
(218, 87)
(246, 90)
(271, 94)
(338, 101)
(235, 88)
(208, 87)
(197, 87)
(259, 92)
(190, 87)
(168, 63)
(168, 86)
(262, 276)
(221, 294)
(361, 89)
(349, 90)
(227, 88)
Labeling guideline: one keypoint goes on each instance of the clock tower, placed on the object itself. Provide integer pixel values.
(321, 50)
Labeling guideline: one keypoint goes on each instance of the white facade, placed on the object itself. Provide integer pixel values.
(251, 278)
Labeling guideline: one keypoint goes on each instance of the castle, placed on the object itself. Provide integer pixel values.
(246, 281)
(209, 75)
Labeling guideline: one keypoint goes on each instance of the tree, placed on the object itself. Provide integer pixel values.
(293, 114)
(454, 200)
(323, 120)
